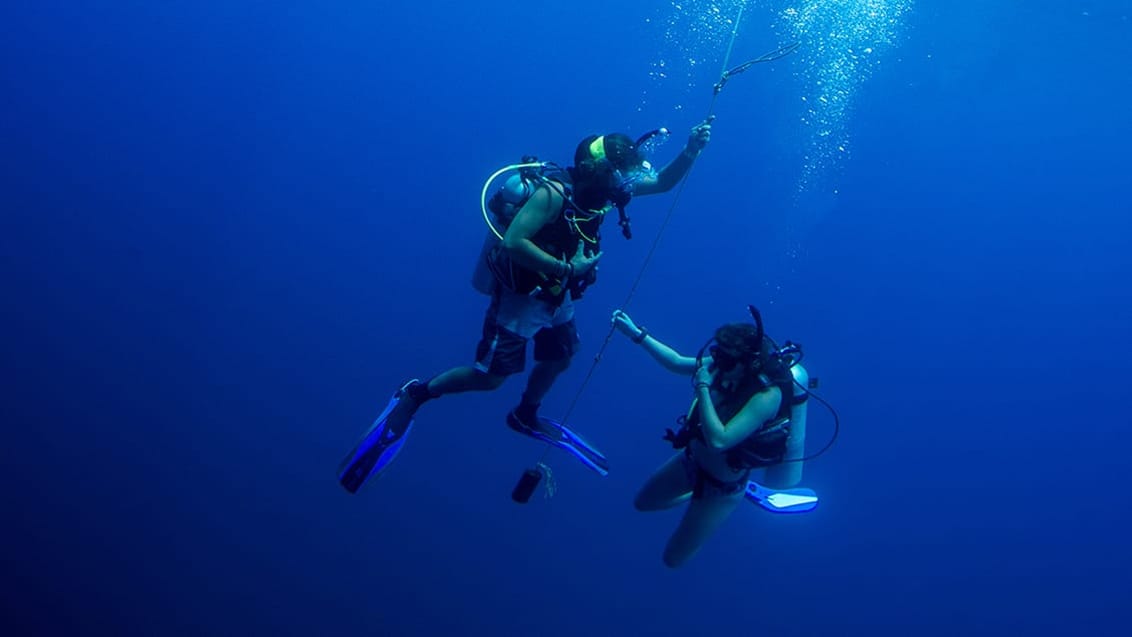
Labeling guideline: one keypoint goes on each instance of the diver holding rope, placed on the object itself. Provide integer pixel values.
(540, 258)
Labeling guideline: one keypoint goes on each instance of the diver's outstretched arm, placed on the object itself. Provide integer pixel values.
(669, 176)
(668, 358)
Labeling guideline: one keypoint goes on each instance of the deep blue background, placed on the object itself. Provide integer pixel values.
(231, 229)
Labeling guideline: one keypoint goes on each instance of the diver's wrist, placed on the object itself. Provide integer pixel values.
(563, 269)
(690, 153)
(642, 334)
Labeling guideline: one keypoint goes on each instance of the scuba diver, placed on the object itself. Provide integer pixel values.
(542, 262)
(748, 413)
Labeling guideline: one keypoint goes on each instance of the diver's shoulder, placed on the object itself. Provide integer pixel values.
(556, 188)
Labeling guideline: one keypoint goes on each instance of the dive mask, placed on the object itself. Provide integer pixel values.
(722, 359)
(645, 147)
(629, 169)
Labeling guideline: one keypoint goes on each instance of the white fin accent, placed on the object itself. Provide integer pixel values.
(787, 500)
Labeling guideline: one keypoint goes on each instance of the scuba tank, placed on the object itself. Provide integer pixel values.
(788, 474)
(511, 196)
(503, 205)
(483, 279)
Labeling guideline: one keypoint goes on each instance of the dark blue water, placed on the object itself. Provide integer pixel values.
(230, 230)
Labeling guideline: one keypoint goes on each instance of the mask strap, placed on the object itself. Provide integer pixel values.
(597, 148)
(703, 350)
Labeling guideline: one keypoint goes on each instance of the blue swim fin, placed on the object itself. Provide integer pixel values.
(561, 436)
(376, 450)
(782, 500)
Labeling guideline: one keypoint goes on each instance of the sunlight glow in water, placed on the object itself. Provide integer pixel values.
(695, 33)
(843, 42)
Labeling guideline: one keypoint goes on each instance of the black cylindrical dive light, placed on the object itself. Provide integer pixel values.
(526, 485)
